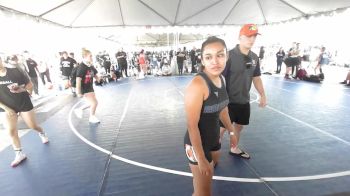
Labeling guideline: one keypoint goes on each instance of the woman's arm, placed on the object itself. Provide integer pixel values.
(22, 88)
(78, 86)
(193, 103)
(29, 88)
(225, 119)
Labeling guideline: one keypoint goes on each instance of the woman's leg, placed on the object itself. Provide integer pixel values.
(279, 65)
(316, 68)
(35, 84)
(293, 68)
(30, 120)
(348, 77)
(11, 126)
(42, 77)
(201, 183)
(47, 73)
(288, 69)
(91, 99)
(216, 156)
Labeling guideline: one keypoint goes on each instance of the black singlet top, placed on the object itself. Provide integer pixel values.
(209, 121)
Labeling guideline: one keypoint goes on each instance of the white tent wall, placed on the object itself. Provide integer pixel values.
(328, 31)
(23, 32)
(45, 40)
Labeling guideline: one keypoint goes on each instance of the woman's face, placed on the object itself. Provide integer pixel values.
(88, 58)
(214, 58)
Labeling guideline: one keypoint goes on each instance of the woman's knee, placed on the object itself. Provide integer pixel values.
(13, 132)
(36, 127)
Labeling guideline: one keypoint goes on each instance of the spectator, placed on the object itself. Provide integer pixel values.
(280, 56)
(347, 80)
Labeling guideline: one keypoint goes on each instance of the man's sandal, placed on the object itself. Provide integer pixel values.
(243, 154)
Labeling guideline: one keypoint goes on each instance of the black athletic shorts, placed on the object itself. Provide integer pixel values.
(239, 113)
(87, 90)
(192, 158)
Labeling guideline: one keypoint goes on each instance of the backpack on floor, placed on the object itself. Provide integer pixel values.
(313, 78)
(321, 76)
(301, 74)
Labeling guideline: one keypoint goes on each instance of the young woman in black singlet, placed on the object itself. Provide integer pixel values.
(206, 102)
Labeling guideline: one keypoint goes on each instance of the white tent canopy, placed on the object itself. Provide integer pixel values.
(111, 13)
(134, 24)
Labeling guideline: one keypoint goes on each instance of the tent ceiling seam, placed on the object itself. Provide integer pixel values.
(154, 11)
(230, 12)
(55, 8)
(200, 11)
(31, 15)
(262, 11)
(177, 12)
(290, 5)
(81, 12)
(121, 12)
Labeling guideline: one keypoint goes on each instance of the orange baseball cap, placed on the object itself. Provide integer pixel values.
(249, 30)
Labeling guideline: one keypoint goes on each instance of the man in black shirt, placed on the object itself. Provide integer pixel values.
(31, 68)
(106, 62)
(193, 60)
(121, 58)
(241, 71)
(181, 57)
(67, 65)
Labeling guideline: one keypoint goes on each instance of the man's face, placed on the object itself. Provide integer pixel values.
(65, 55)
(247, 41)
(26, 55)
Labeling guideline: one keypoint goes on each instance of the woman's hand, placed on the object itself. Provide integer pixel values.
(15, 88)
(205, 167)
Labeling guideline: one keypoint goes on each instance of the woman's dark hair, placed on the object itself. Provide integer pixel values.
(210, 40)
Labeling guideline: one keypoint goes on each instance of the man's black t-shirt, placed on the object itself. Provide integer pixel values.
(122, 60)
(67, 66)
(86, 73)
(73, 76)
(180, 57)
(239, 73)
(19, 102)
(31, 68)
(106, 60)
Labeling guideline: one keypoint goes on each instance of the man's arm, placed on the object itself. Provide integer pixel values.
(120, 55)
(260, 88)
